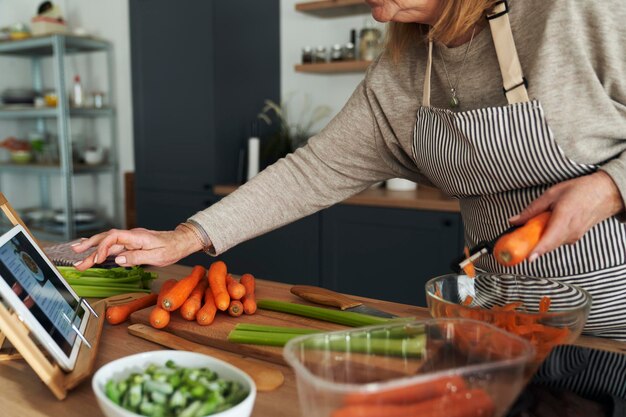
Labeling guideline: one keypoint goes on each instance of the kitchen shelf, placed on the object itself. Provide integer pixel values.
(25, 112)
(41, 46)
(333, 8)
(333, 67)
(54, 169)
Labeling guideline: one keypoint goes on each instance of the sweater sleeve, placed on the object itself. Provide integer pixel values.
(342, 160)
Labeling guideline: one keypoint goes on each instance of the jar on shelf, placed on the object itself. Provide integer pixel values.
(370, 43)
(336, 53)
(320, 54)
(307, 55)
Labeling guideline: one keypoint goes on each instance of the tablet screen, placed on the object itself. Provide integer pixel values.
(39, 287)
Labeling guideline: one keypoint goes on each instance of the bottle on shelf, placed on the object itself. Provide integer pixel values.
(77, 98)
(254, 147)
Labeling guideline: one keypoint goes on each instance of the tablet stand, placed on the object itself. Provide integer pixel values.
(13, 330)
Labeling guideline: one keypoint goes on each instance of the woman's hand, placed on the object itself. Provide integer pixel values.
(139, 246)
(577, 205)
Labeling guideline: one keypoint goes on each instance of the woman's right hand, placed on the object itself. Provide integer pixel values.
(139, 246)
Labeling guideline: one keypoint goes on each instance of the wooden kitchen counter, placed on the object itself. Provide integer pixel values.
(22, 394)
(424, 198)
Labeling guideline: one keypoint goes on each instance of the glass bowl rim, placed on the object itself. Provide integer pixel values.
(586, 305)
(302, 371)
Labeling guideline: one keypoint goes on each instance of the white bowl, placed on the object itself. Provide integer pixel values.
(123, 367)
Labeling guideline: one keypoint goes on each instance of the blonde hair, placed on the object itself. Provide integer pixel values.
(457, 17)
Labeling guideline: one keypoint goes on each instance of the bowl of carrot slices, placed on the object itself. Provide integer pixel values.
(409, 368)
(546, 312)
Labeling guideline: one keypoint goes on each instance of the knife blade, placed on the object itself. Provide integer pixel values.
(333, 299)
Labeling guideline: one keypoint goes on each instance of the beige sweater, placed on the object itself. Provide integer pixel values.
(573, 53)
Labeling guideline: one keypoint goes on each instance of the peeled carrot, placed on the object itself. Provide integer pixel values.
(409, 394)
(120, 313)
(469, 269)
(179, 293)
(190, 307)
(236, 308)
(206, 314)
(235, 289)
(159, 318)
(470, 403)
(514, 247)
(544, 304)
(248, 300)
(217, 283)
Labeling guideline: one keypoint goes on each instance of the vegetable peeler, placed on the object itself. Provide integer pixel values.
(481, 248)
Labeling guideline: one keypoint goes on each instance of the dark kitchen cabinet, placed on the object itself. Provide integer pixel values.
(387, 253)
(290, 254)
(201, 71)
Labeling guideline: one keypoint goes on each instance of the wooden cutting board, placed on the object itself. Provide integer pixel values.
(216, 334)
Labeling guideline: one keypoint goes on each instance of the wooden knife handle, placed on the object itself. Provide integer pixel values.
(266, 378)
(323, 296)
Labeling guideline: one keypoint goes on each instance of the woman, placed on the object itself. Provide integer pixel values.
(435, 112)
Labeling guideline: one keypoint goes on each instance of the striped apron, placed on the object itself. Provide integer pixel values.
(496, 161)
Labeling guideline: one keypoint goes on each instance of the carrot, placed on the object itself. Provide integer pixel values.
(409, 394)
(217, 283)
(248, 300)
(165, 287)
(190, 307)
(159, 318)
(468, 300)
(206, 314)
(236, 308)
(544, 304)
(235, 289)
(179, 293)
(470, 403)
(120, 313)
(469, 269)
(512, 248)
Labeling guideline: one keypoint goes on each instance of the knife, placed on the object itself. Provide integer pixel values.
(333, 299)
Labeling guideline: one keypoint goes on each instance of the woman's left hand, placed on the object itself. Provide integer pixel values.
(577, 205)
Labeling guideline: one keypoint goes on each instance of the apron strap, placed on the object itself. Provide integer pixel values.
(429, 63)
(512, 77)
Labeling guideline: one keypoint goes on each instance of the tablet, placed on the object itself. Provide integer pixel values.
(39, 295)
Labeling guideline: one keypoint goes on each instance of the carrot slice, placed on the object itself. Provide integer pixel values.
(469, 269)
(544, 304)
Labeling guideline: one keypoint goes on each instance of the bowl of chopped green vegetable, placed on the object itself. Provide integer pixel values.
(170, 383)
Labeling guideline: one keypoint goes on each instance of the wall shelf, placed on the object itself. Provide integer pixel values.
(26, 112)
(333, 8)
(333, 67)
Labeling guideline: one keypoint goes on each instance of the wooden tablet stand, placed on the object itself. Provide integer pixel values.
(18, 335)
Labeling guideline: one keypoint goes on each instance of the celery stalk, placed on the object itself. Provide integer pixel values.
(103, 292)
(274, 329)
(407, 347)
(347, 318)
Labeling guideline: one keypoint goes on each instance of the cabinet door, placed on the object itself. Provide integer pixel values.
(387, 253)
(289, 254)
(172, 76)
(159, 210)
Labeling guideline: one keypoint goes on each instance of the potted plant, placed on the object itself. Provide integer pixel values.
(289, 135)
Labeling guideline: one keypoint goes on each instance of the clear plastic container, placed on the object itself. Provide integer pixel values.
(424, 368)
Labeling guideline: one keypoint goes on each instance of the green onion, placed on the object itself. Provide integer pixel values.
(274, 329)
(347, 318)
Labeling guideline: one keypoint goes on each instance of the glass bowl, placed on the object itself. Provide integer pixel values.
(512, 302)
(409, 368)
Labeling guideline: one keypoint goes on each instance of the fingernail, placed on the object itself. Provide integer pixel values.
(95, 259)
(120, 260)
(533, 257)
(76, 243)
(514, 218)
(77, 263)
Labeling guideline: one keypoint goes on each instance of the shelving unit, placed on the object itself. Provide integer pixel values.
(57, 47)
(334, 67)
(333, 8)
